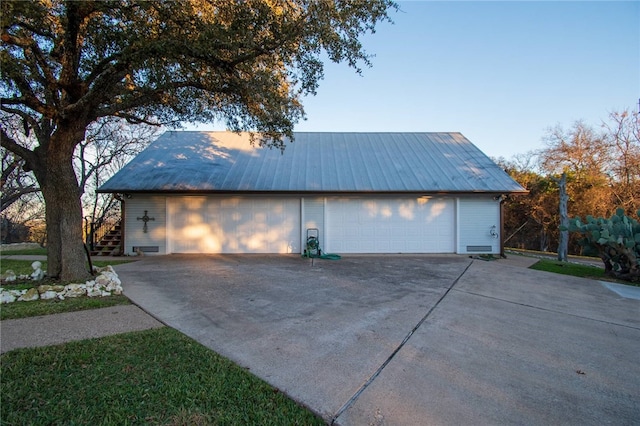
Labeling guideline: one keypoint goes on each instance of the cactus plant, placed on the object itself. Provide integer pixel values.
(615, 240)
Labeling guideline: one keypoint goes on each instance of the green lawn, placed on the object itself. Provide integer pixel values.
(21, 267)
(35, 251)
(578, 270)
(567, 268)
(151, 377)
(52, 306)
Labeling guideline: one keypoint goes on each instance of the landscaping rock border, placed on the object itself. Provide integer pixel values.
(105, 284)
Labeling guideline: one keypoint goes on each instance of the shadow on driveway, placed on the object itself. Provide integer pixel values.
(408, 339)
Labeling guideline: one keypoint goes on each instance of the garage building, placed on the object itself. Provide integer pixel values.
(215, 192)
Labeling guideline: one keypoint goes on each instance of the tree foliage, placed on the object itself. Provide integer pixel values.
(68, 64)
(529, 218)
(603, 172)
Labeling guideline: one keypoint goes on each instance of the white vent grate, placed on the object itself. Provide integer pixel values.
(485, 249)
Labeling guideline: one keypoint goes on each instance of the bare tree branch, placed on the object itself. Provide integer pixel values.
(8, 199)
(12, 145)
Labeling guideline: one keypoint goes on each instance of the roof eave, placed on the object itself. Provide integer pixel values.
(308, 192)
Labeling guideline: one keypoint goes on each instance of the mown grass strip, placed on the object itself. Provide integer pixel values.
(23, 267)
(151, 377)
(35, 251)
(17, 310)
(567, 268)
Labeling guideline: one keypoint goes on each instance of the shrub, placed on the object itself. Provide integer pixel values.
(615, 240)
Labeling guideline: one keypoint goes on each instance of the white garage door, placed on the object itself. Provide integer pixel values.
(384, 225)
(233, 225)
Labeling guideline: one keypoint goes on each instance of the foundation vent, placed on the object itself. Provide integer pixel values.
(479, 249)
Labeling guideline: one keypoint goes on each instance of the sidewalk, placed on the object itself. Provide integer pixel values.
(69, 326)
(60, 328)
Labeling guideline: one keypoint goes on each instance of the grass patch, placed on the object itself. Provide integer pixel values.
(20, 267)
(51, 306)
(34, 251)
(151, 377)
(24, 266)
(567, 268)
(54, 306)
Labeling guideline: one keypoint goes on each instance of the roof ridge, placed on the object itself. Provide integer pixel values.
(401, 132)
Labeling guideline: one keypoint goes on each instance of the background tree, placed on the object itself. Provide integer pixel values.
(110, 144)
(622, 133)
(68, 64)
(530, 219)
(602, 169)
(584, 155)
(20, 201)
(15, 182)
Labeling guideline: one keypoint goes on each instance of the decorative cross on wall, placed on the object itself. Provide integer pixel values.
(145, 219)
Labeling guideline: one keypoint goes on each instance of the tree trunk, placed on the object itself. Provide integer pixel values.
(563, 242)
(65, 247)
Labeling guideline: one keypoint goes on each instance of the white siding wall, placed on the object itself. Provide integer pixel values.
(390, 225)
(475, 219)
(478, 219)
(156, 229)
(313, 217)
(210, 224)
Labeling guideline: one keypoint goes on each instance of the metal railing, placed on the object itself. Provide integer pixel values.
(95, 231)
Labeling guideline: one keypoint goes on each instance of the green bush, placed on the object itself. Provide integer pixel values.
(615, 240)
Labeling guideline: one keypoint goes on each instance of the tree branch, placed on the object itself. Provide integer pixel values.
(132, 119)
(27, 121)
(10, 144)
(7, 199)
(49, 81)
(7, 171)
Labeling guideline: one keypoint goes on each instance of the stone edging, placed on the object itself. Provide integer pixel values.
(105, 284)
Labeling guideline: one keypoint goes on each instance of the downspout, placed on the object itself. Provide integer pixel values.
(503, 198)
(121, 197)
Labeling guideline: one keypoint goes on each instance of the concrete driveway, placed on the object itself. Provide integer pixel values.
(408, 340)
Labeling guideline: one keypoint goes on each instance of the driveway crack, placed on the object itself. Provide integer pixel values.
(370, 380)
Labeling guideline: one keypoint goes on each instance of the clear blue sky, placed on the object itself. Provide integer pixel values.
(499, 72)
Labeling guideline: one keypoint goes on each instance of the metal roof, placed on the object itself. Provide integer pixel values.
(315, 162)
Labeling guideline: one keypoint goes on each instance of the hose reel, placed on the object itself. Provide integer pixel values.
(313, 249)
(313, 243)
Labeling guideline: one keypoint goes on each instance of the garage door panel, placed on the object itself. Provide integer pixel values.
(234, 225)
(400, 225)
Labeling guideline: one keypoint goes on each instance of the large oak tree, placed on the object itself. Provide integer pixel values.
(66, 64)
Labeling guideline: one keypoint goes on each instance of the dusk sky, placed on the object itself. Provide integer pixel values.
(499, 72)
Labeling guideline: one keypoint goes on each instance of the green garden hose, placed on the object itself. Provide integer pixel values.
(331, 256)
(327, 256)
